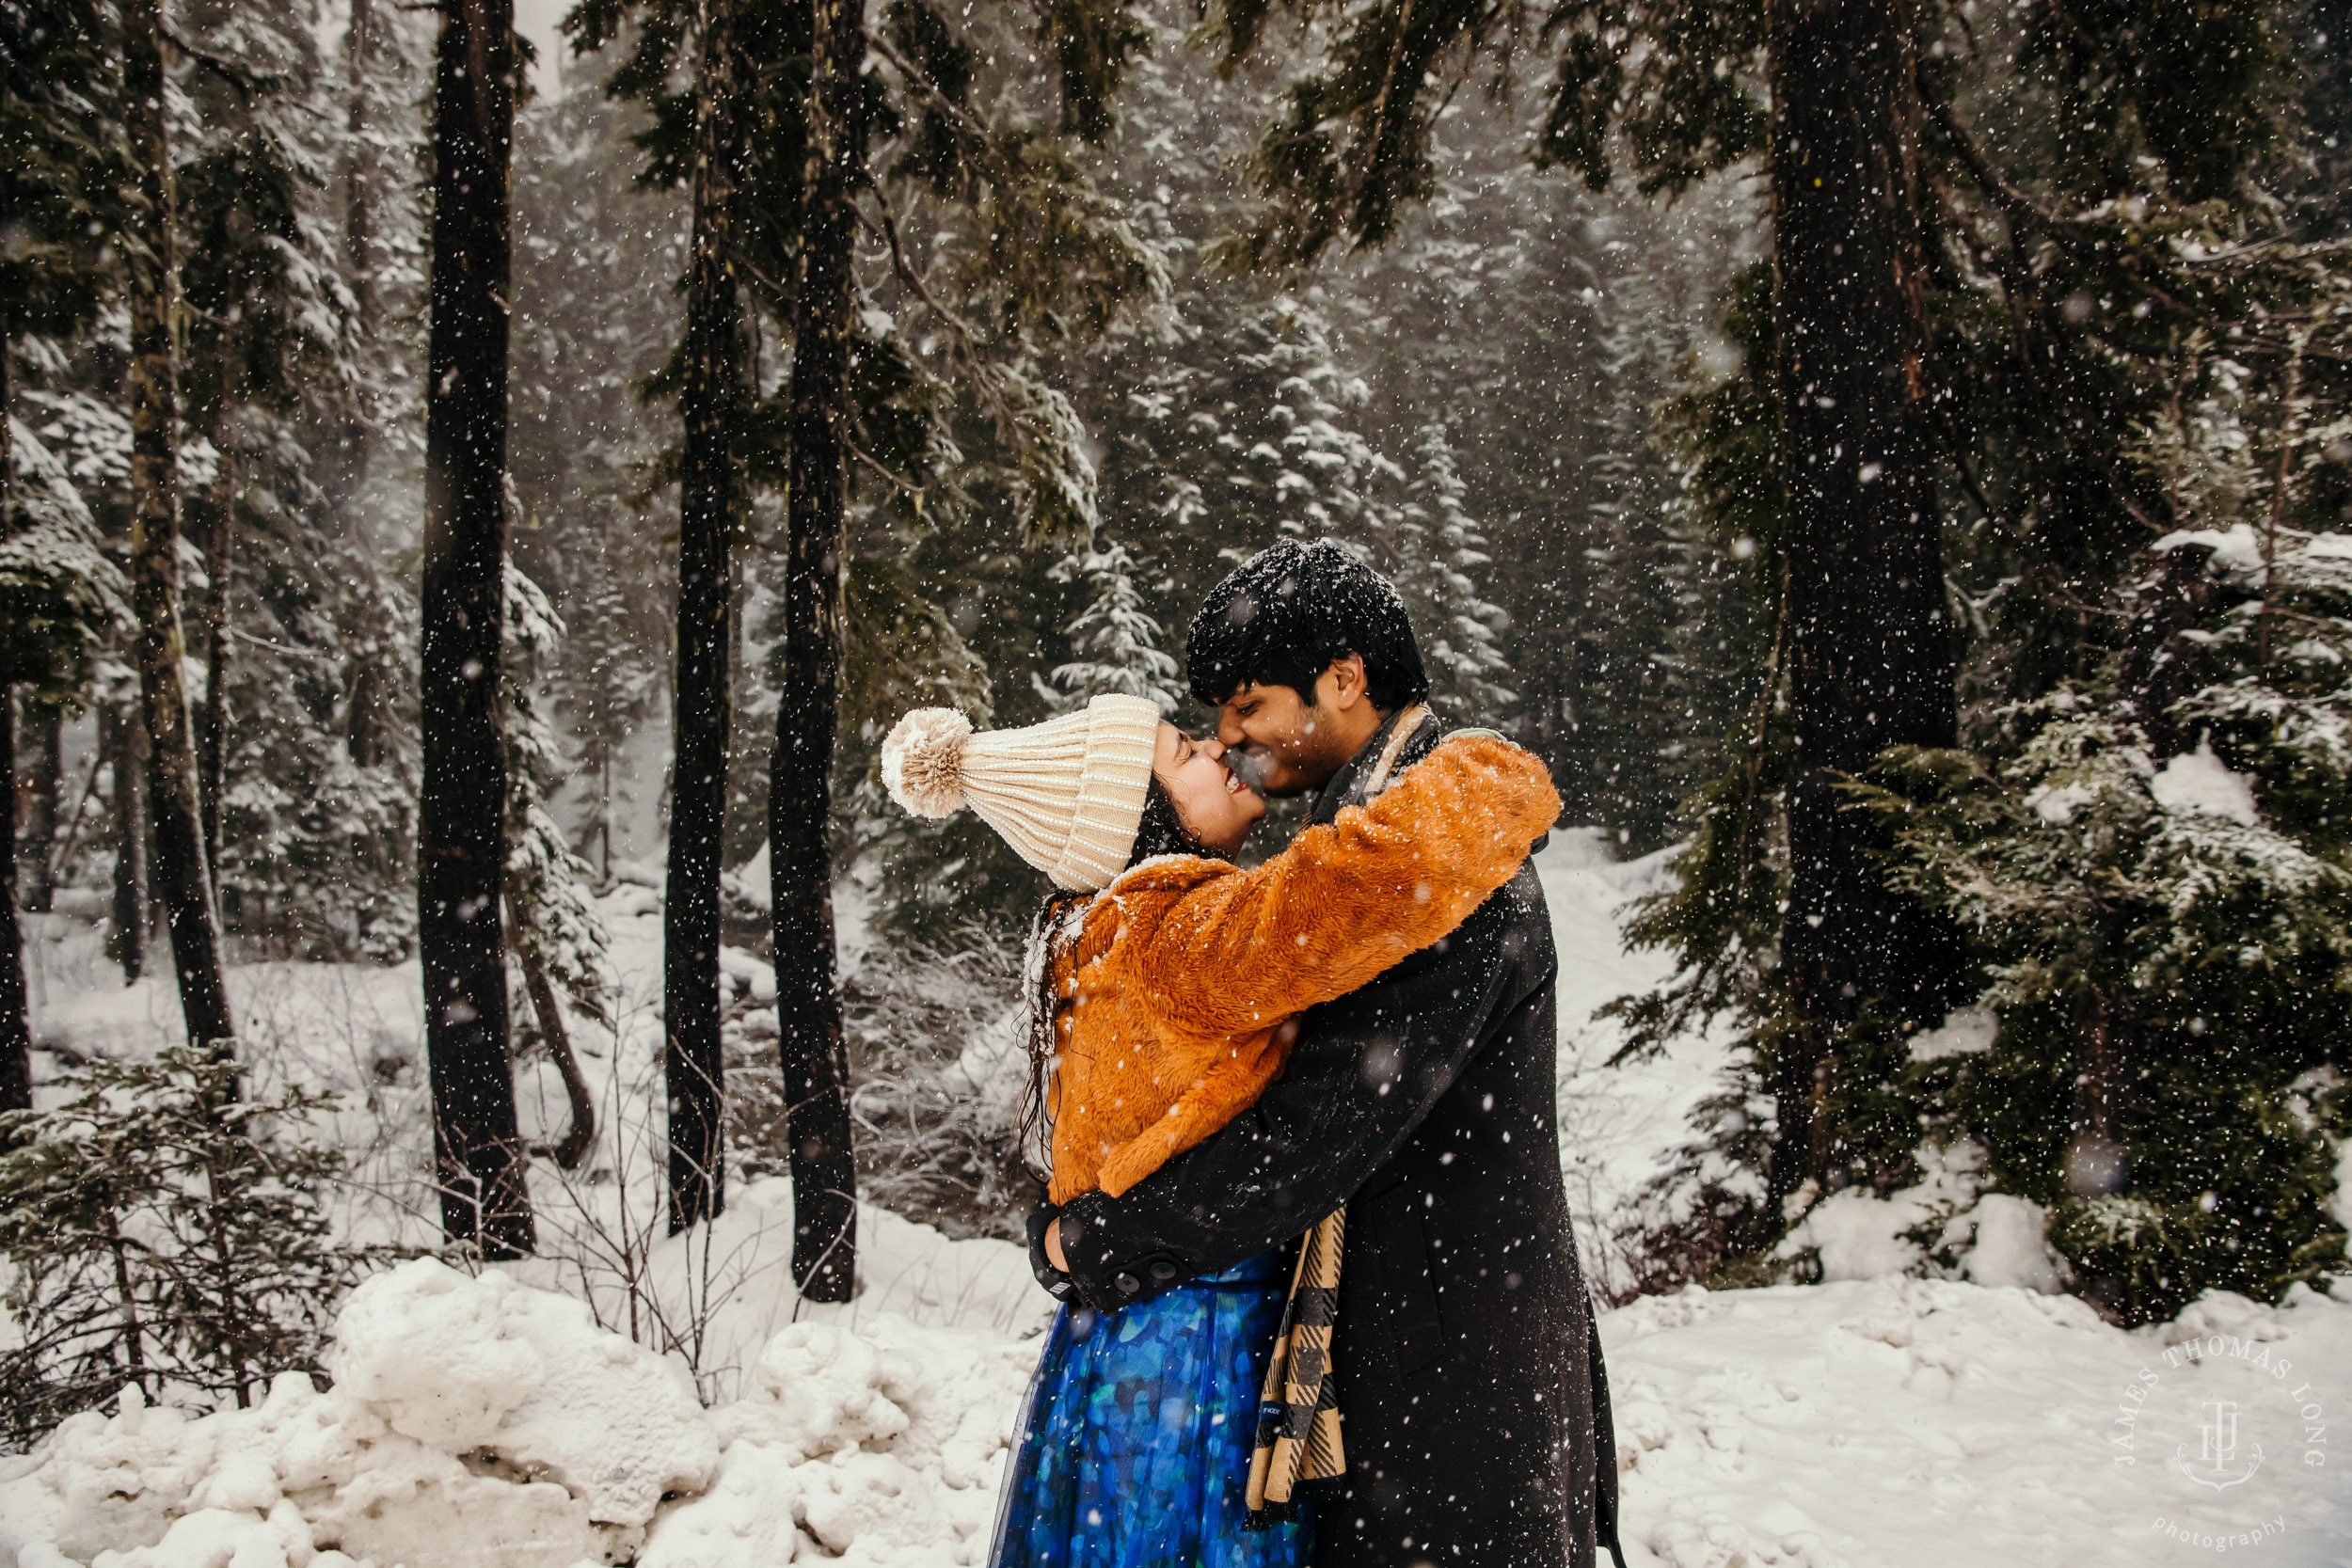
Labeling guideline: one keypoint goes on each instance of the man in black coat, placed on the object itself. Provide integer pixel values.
(1472, 1399)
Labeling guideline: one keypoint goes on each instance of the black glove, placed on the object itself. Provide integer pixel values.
(1057, 1284)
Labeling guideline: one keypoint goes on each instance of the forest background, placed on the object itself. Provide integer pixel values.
(1126, 294)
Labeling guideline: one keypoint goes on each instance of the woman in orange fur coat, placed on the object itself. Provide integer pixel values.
(1167, 981)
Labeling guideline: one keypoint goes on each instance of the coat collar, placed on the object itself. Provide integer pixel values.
(1346, 786)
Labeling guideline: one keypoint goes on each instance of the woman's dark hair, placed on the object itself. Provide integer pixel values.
(1283, 615)
(1161, 831)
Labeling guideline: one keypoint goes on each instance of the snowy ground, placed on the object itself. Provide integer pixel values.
(1873, 1420)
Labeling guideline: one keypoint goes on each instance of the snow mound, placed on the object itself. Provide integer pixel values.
(482, 1423)
(1993, 1239)
(490, 1366)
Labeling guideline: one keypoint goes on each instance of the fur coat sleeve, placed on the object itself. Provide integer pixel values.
(1182, 975)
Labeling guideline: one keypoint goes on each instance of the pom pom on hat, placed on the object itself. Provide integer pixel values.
(922, 761)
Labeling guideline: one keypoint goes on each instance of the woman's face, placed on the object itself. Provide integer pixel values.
(1215, 804)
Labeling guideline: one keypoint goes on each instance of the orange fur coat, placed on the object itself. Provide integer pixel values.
(1181, 973)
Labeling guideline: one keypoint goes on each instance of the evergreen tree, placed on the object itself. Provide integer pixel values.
(59, 598)
(181, 876)
(2166, 936)
(163, 1235)
(931, 420)
(595, 319)
(1114, 641)
(1870, 648)
(64, 154)
(712, 395)
(1441, 561)
(266, 321)
(552, 929)
(461, 853)
(800, 791)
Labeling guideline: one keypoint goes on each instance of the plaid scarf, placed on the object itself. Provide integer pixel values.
(1299, 1413)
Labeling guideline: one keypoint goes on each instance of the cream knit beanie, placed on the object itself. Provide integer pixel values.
(1066, 794)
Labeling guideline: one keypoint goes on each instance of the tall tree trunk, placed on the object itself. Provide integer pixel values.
(16, 1035)
(800, 794)
(359, 236)
(1871, 650)
(212, 732)
(181, 876)
(120, 736)
(44, 773)
(709, 402)
(460, 849)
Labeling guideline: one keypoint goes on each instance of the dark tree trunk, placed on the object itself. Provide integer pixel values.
(460, 845)
(212, 732)
(800, 794)
(181, 876)
(16, 1036)
(359, 236)
(127, 943)
(44, 776)
(1871, 650)
(571, 1151)
(709, 403)
(364, 717)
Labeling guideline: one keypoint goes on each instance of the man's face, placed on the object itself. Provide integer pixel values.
(1284, 745)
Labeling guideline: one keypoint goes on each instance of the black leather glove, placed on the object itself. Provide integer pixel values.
(1057, 1284)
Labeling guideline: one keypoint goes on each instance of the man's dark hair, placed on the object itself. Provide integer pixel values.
(1283, 615)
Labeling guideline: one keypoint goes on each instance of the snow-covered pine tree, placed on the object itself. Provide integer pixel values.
(266, 318)
(60, 598)
(2156, 870)
(557, 938)
(596, 252)
(162, 1235)
(308, 787)
(1655, 641)
(606, 686)
(62, 191)
(1439, 561)
(1244, 430)
(151, 286)
(1114, 641)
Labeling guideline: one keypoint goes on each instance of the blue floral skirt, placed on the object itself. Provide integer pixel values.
(1134, 1446)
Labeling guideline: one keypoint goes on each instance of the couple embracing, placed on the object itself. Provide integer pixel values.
(1321, 1301)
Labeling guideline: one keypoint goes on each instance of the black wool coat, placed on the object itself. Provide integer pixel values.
(1472, 1398)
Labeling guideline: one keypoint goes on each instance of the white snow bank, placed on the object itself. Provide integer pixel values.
(1939, 1424)
(1933, 1423)
(491, 1366)
(481, 1421)
(2198, 781)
